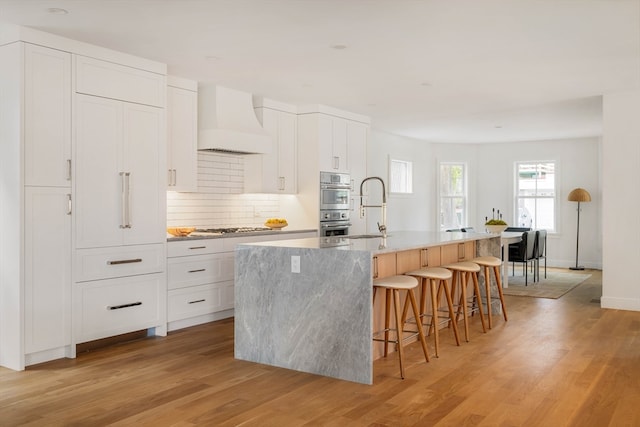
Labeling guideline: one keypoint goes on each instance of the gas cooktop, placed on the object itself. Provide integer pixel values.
(229, 230)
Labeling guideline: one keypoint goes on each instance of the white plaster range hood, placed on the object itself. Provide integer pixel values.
(227, 122)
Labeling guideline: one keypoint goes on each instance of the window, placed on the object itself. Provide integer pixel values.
(536, 195)
(453, 195)
(400, 176)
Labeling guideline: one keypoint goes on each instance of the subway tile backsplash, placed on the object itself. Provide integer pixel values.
(220, 201)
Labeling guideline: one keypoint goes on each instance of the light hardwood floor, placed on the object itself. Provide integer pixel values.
(562, 362)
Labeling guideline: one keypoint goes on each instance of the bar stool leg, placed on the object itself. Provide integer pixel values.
(487, 288)
(476, 288)
(434, 315)
(447, 295)
(387, 315)
(496, 271)
(412, 297)
(396, 302)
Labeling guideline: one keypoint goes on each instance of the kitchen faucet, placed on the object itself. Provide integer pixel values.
(381, 227)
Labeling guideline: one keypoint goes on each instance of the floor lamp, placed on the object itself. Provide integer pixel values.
(578, 195)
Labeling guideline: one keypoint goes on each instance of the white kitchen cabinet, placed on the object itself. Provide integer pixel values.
(116, 81)
(35, 244)
(47, 277)
(200, 282)
(182, 135)
(274, 172)
(104, 308)
(330, 140)
(119, 184)
(357, 136)
(47, 115)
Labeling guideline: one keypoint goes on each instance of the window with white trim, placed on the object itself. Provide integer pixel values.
(400, 176)
(536, 195)
(453, 195)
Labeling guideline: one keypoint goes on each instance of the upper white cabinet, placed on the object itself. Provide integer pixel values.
(47, 115)
(357, 137)
(275, 172)
(182, 135)
(115, 81)
(118, 173)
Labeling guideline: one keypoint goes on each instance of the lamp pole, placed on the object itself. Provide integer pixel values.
(577, 242)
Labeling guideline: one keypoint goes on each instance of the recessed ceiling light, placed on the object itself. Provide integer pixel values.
(338, 46)
(498, 126)
(425, 84)
(212, 58)
(57, 11)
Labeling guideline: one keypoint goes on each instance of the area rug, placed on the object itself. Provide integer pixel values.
(554, 286)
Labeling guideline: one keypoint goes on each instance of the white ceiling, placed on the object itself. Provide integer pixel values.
(441, 70)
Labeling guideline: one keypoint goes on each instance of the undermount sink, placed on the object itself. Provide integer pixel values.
(365, 236)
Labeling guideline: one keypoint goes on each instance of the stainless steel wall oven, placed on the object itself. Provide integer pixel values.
(335, 192)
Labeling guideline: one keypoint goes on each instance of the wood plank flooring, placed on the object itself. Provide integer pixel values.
(564, 362)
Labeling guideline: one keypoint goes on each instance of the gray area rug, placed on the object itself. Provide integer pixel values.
(554, 286)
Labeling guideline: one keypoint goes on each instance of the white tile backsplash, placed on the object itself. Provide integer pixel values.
(220, 201)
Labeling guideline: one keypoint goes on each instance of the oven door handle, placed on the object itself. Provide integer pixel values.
(344, 224)
(335, 187)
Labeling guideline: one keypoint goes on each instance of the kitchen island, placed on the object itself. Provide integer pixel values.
(305, 304)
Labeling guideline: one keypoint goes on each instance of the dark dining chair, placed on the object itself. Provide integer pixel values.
(524, 252)
(541, 252)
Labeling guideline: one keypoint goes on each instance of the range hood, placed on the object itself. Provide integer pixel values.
(227, 122)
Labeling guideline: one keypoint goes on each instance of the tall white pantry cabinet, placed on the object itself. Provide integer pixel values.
(51, 275)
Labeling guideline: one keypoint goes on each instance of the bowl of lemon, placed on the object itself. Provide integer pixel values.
(276, 223)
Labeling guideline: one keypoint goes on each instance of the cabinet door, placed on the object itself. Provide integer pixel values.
(144, 160)
(99, 187)
(339, 144)
(47, 266)
(287, 153)
(327, 160)
(47, 117)
(357, 156)
(182, 143)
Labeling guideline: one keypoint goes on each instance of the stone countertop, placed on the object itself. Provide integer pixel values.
(395, 241)
(199, 236)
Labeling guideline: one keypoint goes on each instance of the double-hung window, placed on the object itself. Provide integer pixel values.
(453, 195)
(536, 195)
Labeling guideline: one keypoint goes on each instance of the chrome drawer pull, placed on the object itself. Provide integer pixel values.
(199, 247)
(197, 271)
(118, 307)
(124, 261)
(196, 301)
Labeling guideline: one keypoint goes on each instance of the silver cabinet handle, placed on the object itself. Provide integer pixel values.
(197, 247)
(197, 271)
(197, 301)
(281, 183)
(123, 201)
(68, 169)
(118, 307)
(169, 178)
(68, 204)
(175, 177)
(336, 162)
(124, 261)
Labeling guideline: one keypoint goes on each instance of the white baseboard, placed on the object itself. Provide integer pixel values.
(630, 304)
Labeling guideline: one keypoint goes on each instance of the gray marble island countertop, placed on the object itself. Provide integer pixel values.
(306, 304)
(395, 242)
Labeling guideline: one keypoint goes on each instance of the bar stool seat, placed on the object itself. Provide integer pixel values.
(463, 272)
(488, 262)
(392, 286)
(436, 278)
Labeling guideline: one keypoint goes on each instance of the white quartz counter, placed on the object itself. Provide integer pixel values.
(395, 241)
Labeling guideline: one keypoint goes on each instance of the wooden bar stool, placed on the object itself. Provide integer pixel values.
(463, 272)
(487, 262)
(392, 286)
(436, 278)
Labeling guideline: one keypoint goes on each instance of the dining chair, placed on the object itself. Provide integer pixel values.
(523, 252)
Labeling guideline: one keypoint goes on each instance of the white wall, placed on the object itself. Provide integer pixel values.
(491, 178)
(621, 201)
(404, 212)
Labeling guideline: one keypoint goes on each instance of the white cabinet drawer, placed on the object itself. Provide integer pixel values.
(199, 300)
(116, 306)
(200, 269)
(106, 263)
(109, 80)
(194, 247)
